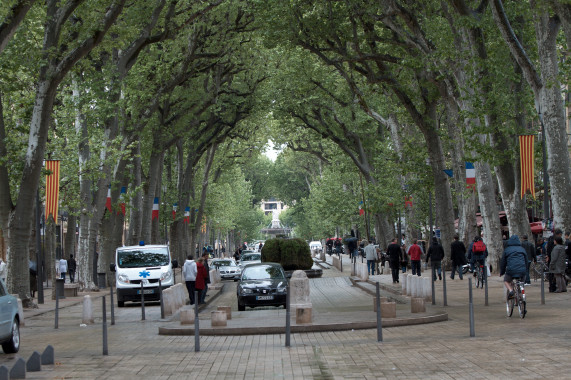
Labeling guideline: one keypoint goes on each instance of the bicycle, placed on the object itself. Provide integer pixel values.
(518, 298)
(539, 269)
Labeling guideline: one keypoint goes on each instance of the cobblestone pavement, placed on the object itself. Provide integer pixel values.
(532, 348)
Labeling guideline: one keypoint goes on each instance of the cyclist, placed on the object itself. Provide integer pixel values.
(513, 263)
(477, 253)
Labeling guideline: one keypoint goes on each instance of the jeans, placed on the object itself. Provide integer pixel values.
(436, 266)
(203, 293)
(454, 269)
(63, 276)
(404, 268)
(395, 272)
(476, 258)
(190, 288)
(371, 267)
(72, 276)
(415, 266)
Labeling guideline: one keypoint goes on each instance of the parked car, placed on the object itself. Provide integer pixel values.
(9, 321)
(315, 245)
(227, 268)
(262, 284)
(250, 258)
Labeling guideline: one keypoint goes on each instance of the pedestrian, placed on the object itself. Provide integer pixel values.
(206, 278)
(557, 264)
(33, 281)
(415, 252)
(458, 256)
(3, 270)
(394, 253)
(223, 249)
(237, 254)
(71, 268)
(260, 247)
(549, 248)
(371, 254)
(200, 278)
(62, 268)
(189, 274)
(530, 250)
(435, 254)
(351, 242)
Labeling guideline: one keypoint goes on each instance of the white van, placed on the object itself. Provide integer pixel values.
(144, 264)
(315, 245)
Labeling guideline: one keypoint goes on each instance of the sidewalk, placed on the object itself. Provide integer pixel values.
(535, 347)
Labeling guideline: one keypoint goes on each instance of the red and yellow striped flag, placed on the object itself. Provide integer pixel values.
(526, 156)
(52, 188)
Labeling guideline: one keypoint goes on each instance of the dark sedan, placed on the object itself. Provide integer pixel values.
(263, 284)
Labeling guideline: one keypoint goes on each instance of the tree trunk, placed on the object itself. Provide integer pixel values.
(136, 209)
(50, 252)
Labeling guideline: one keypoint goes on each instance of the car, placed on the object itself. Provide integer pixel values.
(262, 284)
(9, 321)
(227, 268)
(315, 245)
(250, 258)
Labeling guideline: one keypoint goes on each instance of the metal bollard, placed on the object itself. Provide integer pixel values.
(196, 327)
(471, 308)
(57, 308)
(379, 320)
(444, 285)
(542, 288)
(433, 290)
(142, 302)
(288, 322)
(105, 350)
(112, 305)
(161, 298)
(486, 285)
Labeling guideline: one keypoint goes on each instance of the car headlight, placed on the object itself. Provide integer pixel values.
(166, 276)
(123, 278)
(282, 290)
(247, 291)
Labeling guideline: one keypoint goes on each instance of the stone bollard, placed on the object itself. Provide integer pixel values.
(168, 302)
(228, 310)
(388, 309)
(414, 286)
(303, 315)
(427, 288)
(417, 305)
(383, 299)
(87, 310)
(408, 284)
(299, 290)
(187, 315)
(403, 277)
(218, 318)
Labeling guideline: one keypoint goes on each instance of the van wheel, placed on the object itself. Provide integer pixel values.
(121, 303)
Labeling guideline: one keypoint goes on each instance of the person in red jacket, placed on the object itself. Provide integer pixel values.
(201, 275)
(415, 252)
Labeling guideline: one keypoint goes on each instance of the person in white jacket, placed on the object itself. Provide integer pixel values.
(189, 274)
(63, 268)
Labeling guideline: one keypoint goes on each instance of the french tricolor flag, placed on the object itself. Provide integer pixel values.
(122, 200)
(155, 213)
(108, 201)
(174, 207)
(186, 215)
(470, 175)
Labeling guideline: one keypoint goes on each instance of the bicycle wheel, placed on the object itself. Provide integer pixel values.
(479, 278)
(509, 305)
(521, 307)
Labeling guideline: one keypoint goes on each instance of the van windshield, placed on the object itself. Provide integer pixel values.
(143, 258)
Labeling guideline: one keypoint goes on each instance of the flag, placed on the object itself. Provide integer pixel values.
(186, 215)
(108, 201)
(361, 210)
(449, 172)
(526, 164)
(52, 188)
(470, 175)
(122, 200)
(174, 206)
(155, 213)
(408, 201)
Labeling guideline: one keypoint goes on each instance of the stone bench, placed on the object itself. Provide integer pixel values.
(218, 318)
(70, 290)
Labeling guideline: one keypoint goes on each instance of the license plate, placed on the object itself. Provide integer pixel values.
(263, 298)
(147, 291)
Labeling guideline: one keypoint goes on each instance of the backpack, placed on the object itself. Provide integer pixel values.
(479, 247)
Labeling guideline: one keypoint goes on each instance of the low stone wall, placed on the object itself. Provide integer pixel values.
(336, 262)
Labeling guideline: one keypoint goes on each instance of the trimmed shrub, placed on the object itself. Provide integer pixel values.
(292, 254)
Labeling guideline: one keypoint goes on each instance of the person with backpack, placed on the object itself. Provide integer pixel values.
(478, 252)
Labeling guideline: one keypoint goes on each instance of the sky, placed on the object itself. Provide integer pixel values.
(271, 152)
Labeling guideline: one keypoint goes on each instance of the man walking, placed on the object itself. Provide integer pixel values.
(206, 278)
(71, 267)
(435, 254)
(189, 273)
(371, 253)
(549, 249)
(394, 251)
(530, 250)
(458, 256)
(415, 252)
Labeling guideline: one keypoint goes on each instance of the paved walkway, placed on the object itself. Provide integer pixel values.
(532, 348)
